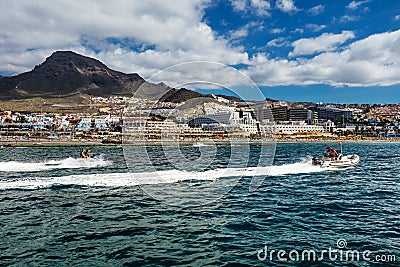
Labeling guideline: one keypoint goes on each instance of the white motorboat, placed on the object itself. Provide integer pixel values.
(340, 162)
(199, 144)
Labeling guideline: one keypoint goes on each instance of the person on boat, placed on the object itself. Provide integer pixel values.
(331, 153)
(82, 155)
(327, 152)
(88, 155)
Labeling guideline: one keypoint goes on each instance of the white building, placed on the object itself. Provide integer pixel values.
(245, 122)
(293, 127)
(221, 117)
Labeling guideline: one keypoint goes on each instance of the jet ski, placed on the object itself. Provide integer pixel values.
(339, 163)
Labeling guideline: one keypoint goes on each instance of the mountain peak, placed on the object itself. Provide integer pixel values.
(62, 60)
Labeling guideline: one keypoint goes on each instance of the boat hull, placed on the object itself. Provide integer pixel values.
(343, 162)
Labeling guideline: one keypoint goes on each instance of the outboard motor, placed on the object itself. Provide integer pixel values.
(316, 161)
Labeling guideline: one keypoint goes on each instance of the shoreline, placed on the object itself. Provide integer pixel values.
(84, 143)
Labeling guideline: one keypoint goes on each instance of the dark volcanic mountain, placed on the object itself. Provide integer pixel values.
(181, 95)
(71, 77)
(66, 73)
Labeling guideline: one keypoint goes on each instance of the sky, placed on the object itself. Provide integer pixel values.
(295, 50)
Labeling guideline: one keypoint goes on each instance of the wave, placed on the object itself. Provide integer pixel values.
(127, 179)
(68, 163)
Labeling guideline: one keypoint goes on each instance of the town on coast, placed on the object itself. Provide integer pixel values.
(111, 120)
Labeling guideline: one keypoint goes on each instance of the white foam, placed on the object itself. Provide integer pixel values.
(68, 163)
(158, 177)
(295, 168)
(106, 179)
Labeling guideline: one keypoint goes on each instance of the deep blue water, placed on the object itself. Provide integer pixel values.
(59, 211)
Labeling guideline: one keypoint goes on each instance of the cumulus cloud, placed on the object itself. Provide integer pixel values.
(373, 61)
(287, 6)
(322, 43)
(156, 28)
(147, 36)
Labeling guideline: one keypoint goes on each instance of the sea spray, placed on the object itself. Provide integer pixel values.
(68, 163)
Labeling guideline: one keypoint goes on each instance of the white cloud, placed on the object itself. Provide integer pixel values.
(397, 17)
(239, 5)
(13, 62)
(355, 4)
(244, 30)
(259, 7)
(262, 7)
(31, 30)
(323, 43)
(287, 6)
(373, 61)
(316, 10)
(164, 35)
(238, 34)
(315, 27)
(144, 62)
(348, 18)
(298, 30)
(278, 42)
(277, 30)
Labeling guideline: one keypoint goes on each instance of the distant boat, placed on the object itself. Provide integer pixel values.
(199, 144)
(37, 144)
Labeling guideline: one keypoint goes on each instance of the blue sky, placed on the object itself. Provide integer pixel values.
(310, 50)
(275, 31)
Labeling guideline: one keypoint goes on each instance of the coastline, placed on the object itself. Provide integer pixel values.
(222, 142)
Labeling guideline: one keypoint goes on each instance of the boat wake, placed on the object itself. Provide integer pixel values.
(124, 179)
(304, 166)
(127, 179)
(68, 163)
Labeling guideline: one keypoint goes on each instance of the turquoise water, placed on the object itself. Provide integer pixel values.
(57, 210)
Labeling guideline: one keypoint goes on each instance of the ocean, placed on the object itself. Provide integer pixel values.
(199, 206)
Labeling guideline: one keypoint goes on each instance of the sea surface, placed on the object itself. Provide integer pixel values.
(58, 210)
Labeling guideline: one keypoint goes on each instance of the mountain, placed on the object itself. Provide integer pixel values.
(68, 79)
(66, 73)
(181, 95)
